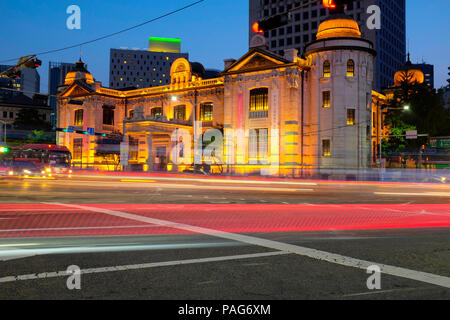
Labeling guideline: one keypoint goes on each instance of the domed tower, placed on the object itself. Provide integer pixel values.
(79, 73)
(339, 96)
(409, 74)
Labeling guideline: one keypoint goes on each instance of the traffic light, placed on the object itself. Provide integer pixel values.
(271, 23)
(336, 6)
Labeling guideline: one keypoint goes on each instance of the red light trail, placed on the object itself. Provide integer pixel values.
(42, 220)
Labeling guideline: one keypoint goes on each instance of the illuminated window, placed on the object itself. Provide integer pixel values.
(179, 112)
(326, 99)
(78, 119)
(326, 148)
(350, 68)
(350, 117)
(326, 69)
(206, 111)
(259, 99)
(258, 146)
(156, 112)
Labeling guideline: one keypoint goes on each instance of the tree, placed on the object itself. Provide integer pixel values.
(426, 114)
(30, 119)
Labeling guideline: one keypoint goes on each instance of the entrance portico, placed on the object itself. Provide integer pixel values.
(151, 143)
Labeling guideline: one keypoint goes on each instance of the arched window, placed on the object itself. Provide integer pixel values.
(78, 118)
(350, 68)
(326, 69)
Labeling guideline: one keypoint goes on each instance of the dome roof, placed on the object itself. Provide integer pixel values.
(79, 73)
(337, 27)
(408, 73)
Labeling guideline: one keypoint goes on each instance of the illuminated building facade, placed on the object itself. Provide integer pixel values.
(268, 114)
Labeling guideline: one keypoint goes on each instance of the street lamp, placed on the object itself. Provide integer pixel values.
(406, 108)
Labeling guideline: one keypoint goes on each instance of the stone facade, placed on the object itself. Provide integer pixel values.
(276, 115)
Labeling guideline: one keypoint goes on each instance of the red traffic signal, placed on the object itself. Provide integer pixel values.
(330, 4)
(256, 29)
(271, 23)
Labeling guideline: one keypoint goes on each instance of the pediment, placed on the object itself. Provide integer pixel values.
(76, 90)
(255, 60)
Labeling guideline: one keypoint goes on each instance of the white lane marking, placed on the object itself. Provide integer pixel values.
(279, 246)
(141, 266)
(377, 292)
(425, 194)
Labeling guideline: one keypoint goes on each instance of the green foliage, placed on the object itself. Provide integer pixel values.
(427, 115)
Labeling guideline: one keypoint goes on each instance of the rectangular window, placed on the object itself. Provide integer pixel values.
(259, 99)
(258, 146)
(78, 119)
(156, 112)
(108, 116)
(179, 112)
(326, 148)
(326, 97)
(350, 117)
(206, 111)
(5, 114)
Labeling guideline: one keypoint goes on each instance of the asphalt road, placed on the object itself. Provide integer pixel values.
(206, 190)
(189, 238)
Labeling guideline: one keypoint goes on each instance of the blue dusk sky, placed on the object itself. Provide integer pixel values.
(211, 31)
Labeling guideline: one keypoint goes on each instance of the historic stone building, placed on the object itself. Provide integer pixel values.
(265, 114)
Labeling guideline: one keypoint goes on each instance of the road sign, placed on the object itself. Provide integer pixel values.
(91, 131)
(411, 135)
(71, 129)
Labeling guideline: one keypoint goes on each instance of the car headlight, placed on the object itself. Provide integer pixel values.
(11, 173)
(48, 170)
(27, 171)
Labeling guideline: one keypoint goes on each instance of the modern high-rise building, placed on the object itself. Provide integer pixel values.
(389, 41)
(144, 68)
(29, 83)
(56, 74)
(428, 72)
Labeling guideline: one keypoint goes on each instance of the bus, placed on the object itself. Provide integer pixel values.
(57, 160)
